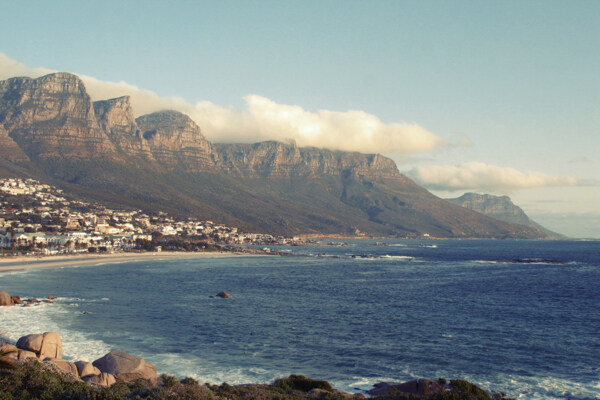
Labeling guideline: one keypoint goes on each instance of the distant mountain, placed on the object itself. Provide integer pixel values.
(51, 130)
(501, 208)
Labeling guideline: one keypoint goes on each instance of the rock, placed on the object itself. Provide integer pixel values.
(85, 368)
(125, 367)
(8, 362)
(52, 297)
(102, 379)
(5, 299)
(16, 300)
(31, 342)
(31, 301)
(420, 387)
(66, 366)
(223, 295)
(25, 354)
(47, 301)
(14, 355)
(51, 345)
(7, 348)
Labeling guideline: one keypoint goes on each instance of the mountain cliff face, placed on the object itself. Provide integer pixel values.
(287, 160)
(501, 208)
(176, 141)
(52, 116)
(51, 130)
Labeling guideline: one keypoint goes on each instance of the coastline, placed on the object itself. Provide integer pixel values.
(10, 264)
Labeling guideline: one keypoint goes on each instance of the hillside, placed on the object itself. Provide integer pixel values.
(501, 208)
(51, 130)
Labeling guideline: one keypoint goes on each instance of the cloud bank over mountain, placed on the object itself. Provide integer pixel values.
(478, 175)
(263, 119)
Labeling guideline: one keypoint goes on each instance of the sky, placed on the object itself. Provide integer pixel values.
(499, 97)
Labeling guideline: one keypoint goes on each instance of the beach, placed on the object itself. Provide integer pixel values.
(75, 260)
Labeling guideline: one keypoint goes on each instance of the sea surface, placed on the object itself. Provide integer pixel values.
(521, 317)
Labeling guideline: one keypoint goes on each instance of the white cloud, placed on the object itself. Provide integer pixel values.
(264, 119)
(477, 175)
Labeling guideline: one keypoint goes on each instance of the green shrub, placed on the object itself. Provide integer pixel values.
(302, 383)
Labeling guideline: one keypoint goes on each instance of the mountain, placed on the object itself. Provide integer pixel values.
(51, 130)
(501, 208)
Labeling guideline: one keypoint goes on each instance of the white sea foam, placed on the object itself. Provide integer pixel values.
(20, 321)
(541, 388)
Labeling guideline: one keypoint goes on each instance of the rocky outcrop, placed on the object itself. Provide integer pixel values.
(125, 367)
(43, 345)
(419, 387)
(223, 295)
(85, 368)
(115, 118)
(176, 141)
(52, 116)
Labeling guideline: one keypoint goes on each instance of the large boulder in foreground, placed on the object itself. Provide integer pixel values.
(43, 345)
(51, 346)
(125, 367)
(5, 299)
(32, 342)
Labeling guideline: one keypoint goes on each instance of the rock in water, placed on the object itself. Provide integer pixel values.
(125, 367)
(223, 295)
(5, 299)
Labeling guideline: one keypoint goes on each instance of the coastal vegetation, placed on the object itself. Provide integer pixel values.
(34, 380)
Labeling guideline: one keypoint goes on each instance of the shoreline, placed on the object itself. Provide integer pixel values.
(20, 263)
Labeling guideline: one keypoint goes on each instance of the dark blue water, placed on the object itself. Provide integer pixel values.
(515, 316)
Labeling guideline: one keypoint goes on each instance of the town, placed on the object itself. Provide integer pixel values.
(39, 219)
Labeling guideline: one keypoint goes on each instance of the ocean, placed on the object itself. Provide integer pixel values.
(521, 317)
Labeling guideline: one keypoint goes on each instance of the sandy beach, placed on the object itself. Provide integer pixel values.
(73, 260)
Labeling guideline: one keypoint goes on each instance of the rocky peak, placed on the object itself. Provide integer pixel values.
(52, 116)
(115, 112)
(175, 139)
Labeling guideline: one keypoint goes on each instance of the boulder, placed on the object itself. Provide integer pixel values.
(8, 362)
(31, 342)
(420, 387)
(85, 368)
(51, 345)
(13, 355)
(25, 354)
(223, 295)
(7, 348)
(125, 367)
(16, 299)
(102, 379)
(5, 299)
(66, 366)
(52, 297)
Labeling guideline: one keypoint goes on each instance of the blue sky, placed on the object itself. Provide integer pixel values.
(498, 96)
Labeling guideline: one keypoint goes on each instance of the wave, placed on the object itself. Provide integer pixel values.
(43, 317)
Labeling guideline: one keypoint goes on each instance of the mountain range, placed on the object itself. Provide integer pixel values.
(51, 130)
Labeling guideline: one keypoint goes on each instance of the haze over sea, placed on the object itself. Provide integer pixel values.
(514, 316)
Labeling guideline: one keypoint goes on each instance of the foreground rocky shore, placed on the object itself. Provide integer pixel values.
(33, 368)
